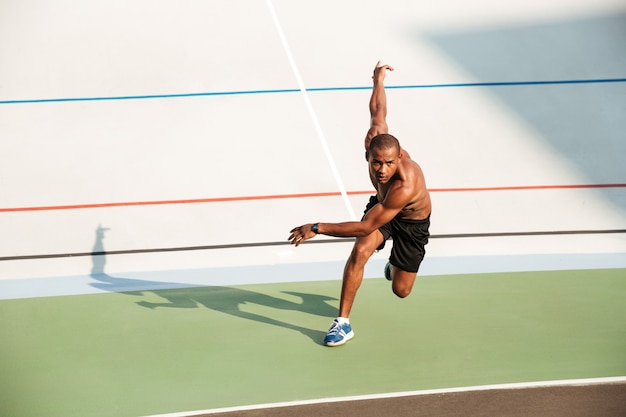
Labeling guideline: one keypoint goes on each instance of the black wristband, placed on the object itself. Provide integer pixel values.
(314, 228)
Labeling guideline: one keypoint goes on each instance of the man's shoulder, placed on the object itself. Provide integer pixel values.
(403, 187)
(411, 170)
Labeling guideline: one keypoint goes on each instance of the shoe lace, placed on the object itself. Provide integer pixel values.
(335, 328)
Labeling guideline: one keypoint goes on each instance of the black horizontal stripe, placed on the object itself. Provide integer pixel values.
(315, 241)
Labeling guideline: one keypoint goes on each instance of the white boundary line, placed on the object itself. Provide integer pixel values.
(520, 385)
(309, 106)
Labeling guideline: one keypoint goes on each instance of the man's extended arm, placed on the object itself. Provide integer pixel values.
(378, 215)
(378, 105)
(375, 218)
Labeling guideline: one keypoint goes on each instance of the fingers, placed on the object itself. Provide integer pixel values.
(296, 236)
(379, 71)
(300, 234)
(381, 67)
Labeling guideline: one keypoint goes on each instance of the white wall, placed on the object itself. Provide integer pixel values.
(57, 153)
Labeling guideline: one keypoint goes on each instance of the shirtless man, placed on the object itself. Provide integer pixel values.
(400, 209)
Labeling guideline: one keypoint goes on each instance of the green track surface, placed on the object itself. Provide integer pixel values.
(151, 352)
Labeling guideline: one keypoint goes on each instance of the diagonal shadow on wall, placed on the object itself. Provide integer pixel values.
(584, 122)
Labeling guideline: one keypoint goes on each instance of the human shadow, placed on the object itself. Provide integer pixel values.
(226, 300)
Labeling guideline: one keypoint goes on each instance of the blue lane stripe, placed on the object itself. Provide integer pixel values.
(295, 90)
(144, 97)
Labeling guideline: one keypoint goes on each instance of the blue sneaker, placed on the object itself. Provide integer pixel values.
(338, 334)
(388, 271)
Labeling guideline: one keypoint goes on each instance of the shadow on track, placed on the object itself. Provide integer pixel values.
(227, 300)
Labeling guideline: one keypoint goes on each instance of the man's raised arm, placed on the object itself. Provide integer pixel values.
(378, 105)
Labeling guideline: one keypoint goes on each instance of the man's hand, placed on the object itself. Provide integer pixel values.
(379, 72)
(300, 234)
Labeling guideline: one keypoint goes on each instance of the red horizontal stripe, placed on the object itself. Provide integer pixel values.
(284, 196)
(528, 187)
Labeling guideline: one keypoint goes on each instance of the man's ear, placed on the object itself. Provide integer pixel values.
(367, 155)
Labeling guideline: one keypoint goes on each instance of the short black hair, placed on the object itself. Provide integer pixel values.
(384, 141)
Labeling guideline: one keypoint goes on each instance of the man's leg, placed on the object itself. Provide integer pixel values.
(341, 331)
(402, 281)
(363, 249)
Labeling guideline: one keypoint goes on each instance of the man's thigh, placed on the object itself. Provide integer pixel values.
(369, 244)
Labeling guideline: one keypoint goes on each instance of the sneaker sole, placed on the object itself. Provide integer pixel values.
(348, 336)
(388, 271)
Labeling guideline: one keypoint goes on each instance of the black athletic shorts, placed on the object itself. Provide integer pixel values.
(409, 240)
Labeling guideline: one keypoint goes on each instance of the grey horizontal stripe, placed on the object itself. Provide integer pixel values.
(316, 241)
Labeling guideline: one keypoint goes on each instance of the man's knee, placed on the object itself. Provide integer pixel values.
(402, 291)
(363, 250)
(359, 257)
(402, 283)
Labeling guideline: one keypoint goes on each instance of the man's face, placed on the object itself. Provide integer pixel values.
(383, 163)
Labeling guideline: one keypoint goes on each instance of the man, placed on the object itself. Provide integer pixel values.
(400, 209)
